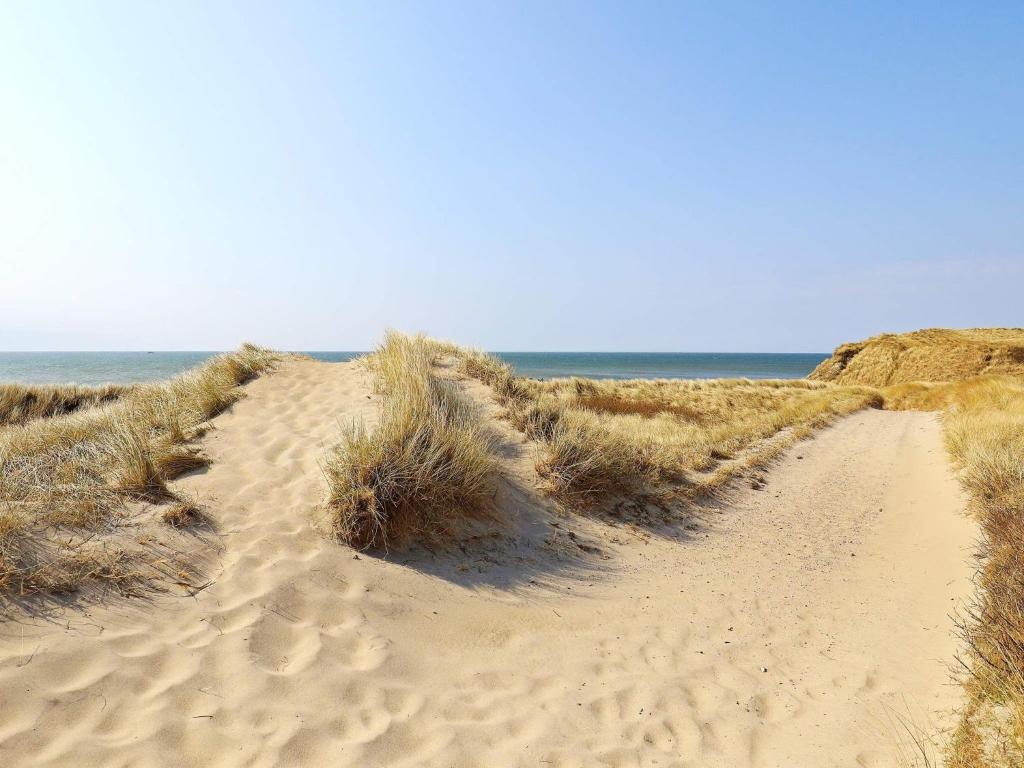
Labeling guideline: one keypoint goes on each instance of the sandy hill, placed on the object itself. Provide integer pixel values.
(933, 354)
(783, 628)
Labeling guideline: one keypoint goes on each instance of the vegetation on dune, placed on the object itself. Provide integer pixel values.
(983, 418)
(933, 354)
(426, 465)
(975, 379)
(943, 396)
(21, 403)
(985, 435)
(73, 460)
(600, 437)
(581, 457)
(709, 430)
(64, 479)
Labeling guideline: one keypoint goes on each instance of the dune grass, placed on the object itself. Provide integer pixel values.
(604, 437)
(66, 478)
(933, 354)
(21, 403)
(609, 435)
(983, 420)
(975, 380)
(581, 457)
(426, 466)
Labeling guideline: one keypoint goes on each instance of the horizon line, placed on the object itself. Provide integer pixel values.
(367, 351)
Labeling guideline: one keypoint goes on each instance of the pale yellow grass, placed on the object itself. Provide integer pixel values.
(984, 427)
(63, 479)
(21, 403)
(976, 379)
(933, 354)
(426, 466)
(605, 436)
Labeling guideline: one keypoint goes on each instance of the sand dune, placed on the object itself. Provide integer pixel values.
(790, 627)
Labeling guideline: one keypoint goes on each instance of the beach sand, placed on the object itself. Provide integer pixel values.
(795, 625)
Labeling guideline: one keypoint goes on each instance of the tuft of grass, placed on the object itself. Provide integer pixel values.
(599, 438)
(428, 463)
(581, 457)
(133, 461)
(984, 431)
(508, 388)
(75, 473)
(66, 573)
(183, 514)
(22, 403)
(623, 406)
(585, 459)
(983, 420)
(173, 461)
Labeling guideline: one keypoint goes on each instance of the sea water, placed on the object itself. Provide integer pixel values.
(129, 367)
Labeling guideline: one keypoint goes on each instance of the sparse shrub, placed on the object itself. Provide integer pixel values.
(67, 572)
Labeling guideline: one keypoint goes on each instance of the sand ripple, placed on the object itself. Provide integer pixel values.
(784, 631)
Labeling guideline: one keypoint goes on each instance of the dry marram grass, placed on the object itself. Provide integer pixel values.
(975, 378)
(933, 354)
(64, 478)
(603, 437)
(21, 403)
(428, 463)
(984, 426)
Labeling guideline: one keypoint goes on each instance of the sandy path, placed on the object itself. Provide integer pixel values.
(837, 578)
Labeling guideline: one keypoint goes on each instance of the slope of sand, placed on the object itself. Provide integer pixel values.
(792, 627)
(928, 355)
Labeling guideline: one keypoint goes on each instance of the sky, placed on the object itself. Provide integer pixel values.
(518, 176)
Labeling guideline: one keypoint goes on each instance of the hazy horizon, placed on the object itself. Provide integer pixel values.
(707, 178)
(144, 351)
(124, 367)
(596, 350)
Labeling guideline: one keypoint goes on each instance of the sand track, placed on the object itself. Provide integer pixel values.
(837, 579)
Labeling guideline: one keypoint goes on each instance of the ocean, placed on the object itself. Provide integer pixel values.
(129, 367)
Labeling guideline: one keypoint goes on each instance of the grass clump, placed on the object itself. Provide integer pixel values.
(600, 436)
(696, 427)
(581, 457)
(428, 463)
(605, 437)
(183, 514)
(64, 479)
(22, 403)
(65, 574)
(984, 431)
(975, 379)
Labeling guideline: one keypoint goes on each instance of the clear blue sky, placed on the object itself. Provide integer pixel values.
(539, 176)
